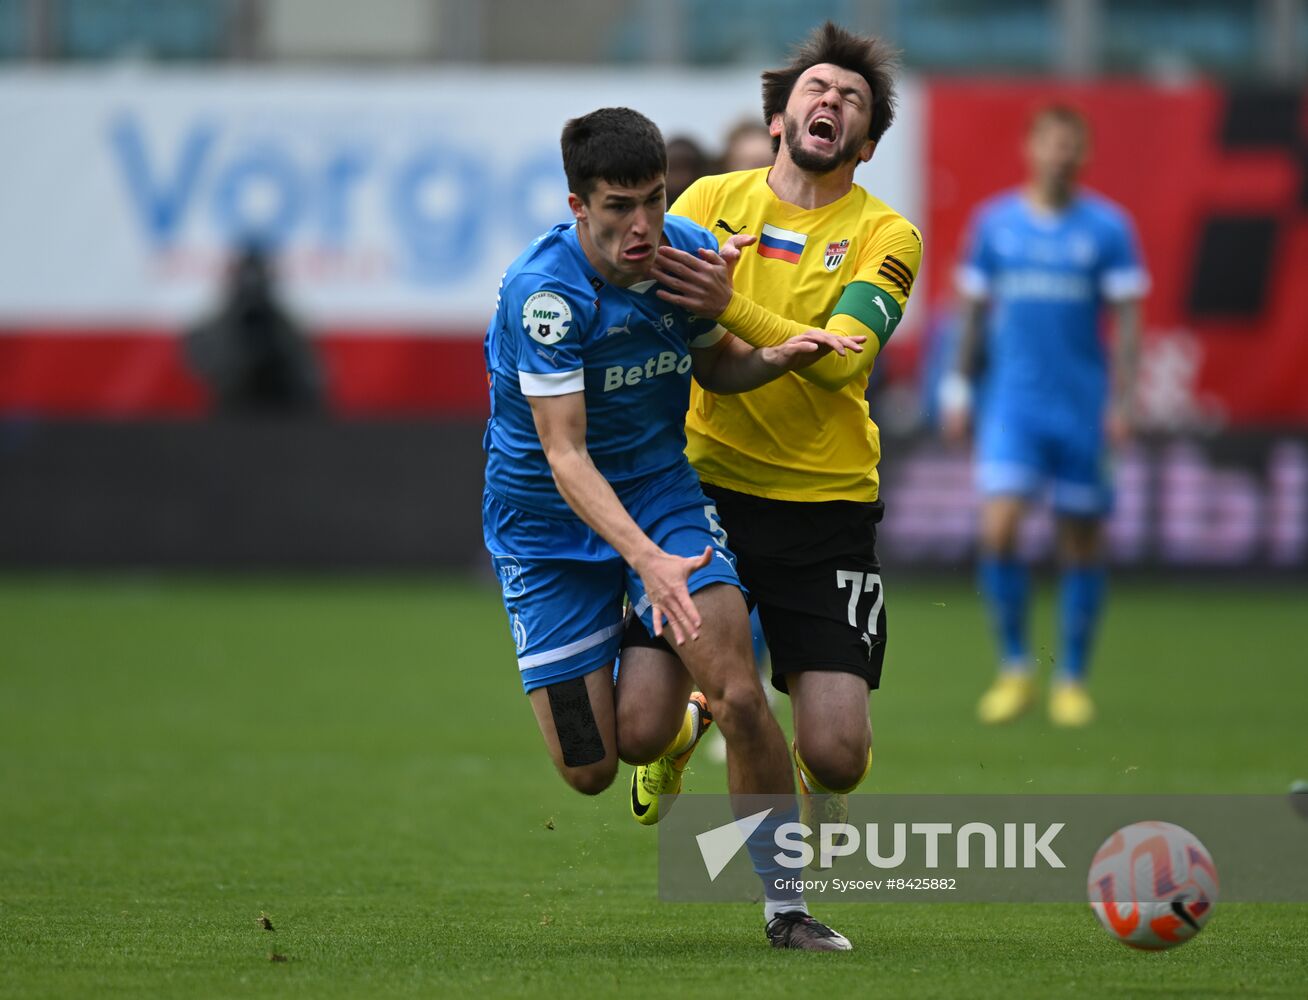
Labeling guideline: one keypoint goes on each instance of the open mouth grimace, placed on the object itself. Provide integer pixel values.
(824, 128)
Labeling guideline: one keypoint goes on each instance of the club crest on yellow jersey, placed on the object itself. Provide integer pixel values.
(835, 254)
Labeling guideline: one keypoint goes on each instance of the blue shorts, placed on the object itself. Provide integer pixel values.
(563, 584)
(1019, 454)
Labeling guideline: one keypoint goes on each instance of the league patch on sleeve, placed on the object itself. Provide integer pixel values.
(546, 317)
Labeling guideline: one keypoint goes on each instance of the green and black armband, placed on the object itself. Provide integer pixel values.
(872, 306)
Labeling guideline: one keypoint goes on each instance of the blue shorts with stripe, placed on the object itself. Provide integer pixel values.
(1019, 453)
(563, 585)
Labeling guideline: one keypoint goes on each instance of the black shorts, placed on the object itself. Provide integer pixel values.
(812, 571)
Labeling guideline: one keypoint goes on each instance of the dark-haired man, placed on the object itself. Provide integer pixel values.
(792, 465)
(1042, 267)
(589, 497)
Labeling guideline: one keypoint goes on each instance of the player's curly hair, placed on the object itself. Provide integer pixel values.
(874, 59)
(616, 145)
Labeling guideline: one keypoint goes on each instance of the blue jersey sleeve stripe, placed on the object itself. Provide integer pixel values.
(972, 281)
(551, 383)
(1124, 283)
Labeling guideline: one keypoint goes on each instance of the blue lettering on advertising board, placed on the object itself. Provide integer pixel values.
(441, 202)
(441, 240)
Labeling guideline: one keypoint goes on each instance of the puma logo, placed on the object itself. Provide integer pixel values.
(722, 224)
(884, 312)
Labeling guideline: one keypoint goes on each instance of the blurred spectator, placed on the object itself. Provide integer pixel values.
(251, 353)
(748, 147)
(687, 163)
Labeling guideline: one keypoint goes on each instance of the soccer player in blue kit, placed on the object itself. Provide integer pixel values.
(589, 496)
(1043, 265)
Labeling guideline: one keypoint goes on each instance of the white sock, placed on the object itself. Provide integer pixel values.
(772, 907)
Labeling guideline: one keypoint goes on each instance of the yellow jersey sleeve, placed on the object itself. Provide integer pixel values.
(870, 306)
(878, 293)
(693, 204)
(758, 327)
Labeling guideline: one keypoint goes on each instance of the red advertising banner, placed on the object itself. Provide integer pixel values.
(131, 374)
(1217, 182)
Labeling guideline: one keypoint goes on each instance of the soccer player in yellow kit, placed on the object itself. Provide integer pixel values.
(792, 466)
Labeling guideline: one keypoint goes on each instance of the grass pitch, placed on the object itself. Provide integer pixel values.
(355, 762)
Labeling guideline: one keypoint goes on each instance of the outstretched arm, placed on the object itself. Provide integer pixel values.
(732, 366)
(702, 284)
(561, 426)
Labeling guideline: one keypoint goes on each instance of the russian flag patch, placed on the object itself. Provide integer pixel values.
(781, 244)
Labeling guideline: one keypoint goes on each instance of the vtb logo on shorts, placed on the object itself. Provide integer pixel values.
(663, 363)
(509, 570)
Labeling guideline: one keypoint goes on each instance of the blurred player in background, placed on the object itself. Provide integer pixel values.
(1044, 263)
(589, 497)
(792, 466)
(748, 146)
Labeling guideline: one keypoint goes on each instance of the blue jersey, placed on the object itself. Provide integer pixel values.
(1047, 278)
(558, 329)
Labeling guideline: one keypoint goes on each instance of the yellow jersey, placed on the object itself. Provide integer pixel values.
(847, 267)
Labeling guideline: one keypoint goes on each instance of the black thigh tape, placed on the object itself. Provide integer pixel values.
(574, 723)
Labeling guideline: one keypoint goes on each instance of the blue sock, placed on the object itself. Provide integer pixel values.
(1006, 586)
(1081, 598)
(779, 889)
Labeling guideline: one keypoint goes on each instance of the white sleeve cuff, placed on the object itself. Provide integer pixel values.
(551, 384)
(1124, 283)
(954, 393)
(972, 282)
(710, 338)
